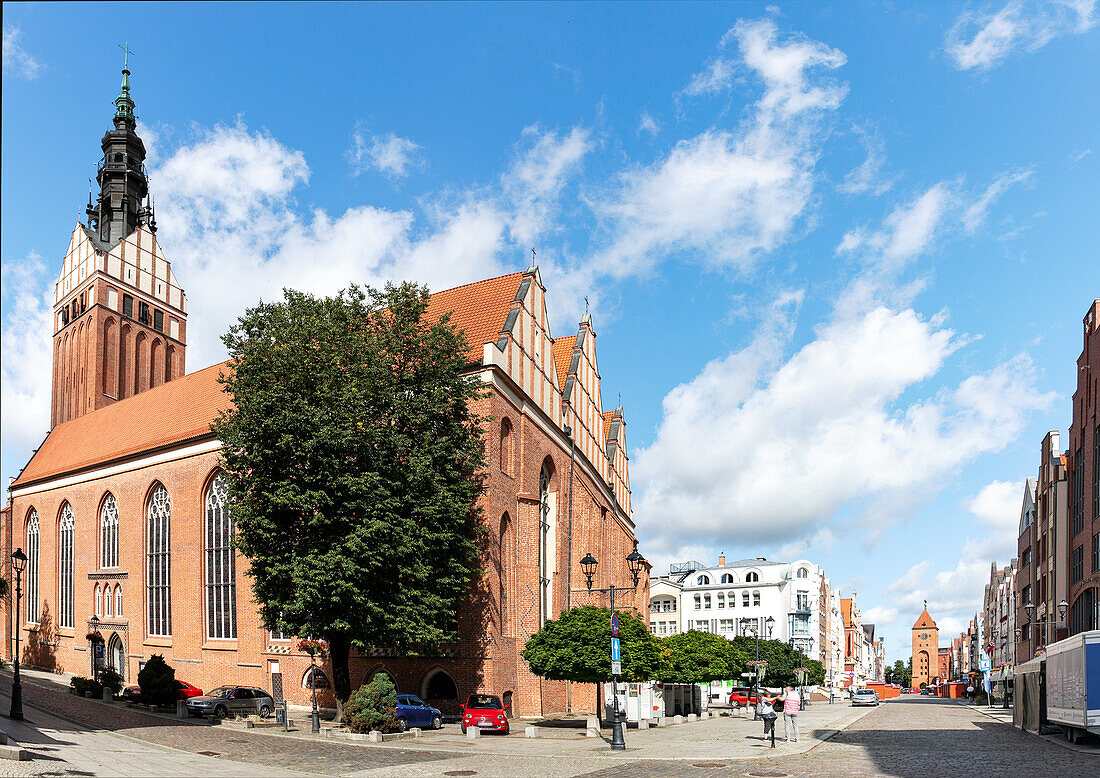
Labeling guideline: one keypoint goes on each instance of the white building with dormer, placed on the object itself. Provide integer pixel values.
(732, 599)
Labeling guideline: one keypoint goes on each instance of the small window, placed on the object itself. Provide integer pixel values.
(706, 601)
(127, 306)
(745, 599)
(727, 578)
(721, 600)
(803, 572)
(752, 577)
(143, 313)
(756, 599)
(158, 321)
(698, 602)
(703, 580)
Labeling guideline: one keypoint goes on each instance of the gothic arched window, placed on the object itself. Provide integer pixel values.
(158, 576)
(118, 599)
(506, 441)
(108, 525)
(98, 601)
(32, 567)
(65, 567)
(221, 569)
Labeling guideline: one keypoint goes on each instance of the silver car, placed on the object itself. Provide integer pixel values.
(232, 700)
(864, 697)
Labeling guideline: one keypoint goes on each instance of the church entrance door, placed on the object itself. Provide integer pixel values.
(116, 656)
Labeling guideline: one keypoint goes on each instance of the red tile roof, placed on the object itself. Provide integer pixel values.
(563, 355)
(166, 415)
(924, 621)
(182, 410)
(479, 308)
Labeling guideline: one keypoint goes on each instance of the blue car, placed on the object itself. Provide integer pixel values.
(414, 712)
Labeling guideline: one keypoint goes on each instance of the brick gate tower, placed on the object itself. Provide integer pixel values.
(926, 649)
(120, 317)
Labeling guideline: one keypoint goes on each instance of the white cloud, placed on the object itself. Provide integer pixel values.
(880, 615)
(648, 124)
(532, 187)
(984, 40)
(389, 154)
(823, 427)
(716, 77)
(869, 176)
(976, 213)
(730, 196)
(17, 62)
(27, 360)
(906, 232)
(997, 506)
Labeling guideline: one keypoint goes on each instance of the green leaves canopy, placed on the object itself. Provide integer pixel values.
(577, 647)
(782, 660)
(350, 452)
(699, 657)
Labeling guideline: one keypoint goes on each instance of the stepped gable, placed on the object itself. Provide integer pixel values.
(168, 415)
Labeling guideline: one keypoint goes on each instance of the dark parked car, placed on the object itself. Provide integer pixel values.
(485, 712)
(236, 700)
(414, 712)
(187, 691)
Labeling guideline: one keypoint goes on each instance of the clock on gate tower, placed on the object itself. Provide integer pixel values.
(926, 643)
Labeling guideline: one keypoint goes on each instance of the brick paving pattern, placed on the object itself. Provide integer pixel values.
(917, 738)
(286, 753)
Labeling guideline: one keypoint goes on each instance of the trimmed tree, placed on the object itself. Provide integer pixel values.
(351, 454)
(576, 646)
(699, 657)
(157, 681)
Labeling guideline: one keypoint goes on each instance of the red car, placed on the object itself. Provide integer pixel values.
(485, 712)
(743, 697)
(133, 693)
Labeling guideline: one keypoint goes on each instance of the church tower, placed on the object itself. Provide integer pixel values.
(926, 650)
(120, 317)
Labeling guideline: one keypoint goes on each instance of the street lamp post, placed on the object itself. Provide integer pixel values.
(751, 624)
(18, 564)
(635, 562)
(1063, 606)
(796, 644)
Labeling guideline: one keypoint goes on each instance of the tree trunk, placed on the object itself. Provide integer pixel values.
(339, 648)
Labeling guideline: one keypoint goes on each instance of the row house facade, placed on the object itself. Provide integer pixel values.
(1083, 466)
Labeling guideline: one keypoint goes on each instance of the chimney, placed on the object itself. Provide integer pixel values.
(761, 559)
(722, 559)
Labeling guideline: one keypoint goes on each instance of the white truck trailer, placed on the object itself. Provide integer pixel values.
(1073, 684)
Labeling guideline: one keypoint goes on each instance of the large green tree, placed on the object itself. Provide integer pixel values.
(576, 646)
(782, 661)
(699, 657)
(351, 454)
(899, 673)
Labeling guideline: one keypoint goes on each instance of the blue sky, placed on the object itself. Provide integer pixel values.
(837, 253)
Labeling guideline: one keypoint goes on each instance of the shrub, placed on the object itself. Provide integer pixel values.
(109, 679)
(373, 706)
(83, 685)
(158, 682)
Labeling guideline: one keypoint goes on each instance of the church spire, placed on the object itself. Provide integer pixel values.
(123, 186)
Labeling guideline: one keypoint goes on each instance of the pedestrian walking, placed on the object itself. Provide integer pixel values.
(791, 704)
(765, 709)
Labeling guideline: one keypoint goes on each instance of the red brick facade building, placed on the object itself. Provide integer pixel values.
(1083, 469)
(122, 514)
(926, 650)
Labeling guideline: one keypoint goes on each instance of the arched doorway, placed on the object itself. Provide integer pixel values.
(507, 702)
(439, 690)
(116, 655)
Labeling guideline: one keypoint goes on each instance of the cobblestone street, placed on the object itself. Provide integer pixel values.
(906, 737)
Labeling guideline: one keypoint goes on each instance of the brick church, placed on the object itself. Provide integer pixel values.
(123, 515)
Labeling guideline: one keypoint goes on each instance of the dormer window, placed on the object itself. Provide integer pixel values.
(702, 580)
(727, 578)
(803, 572)
(752, 577)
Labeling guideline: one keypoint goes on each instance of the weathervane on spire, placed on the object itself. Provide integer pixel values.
(926, 604)
(125, 55)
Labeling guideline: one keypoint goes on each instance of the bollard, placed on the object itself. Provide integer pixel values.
(662, 721)
(704, 715)
(677, 719)
(108, 696)
(692, 717)
(473, 733)
(374, 736)
(643, 724)
(181, 709)
(531, 732)
(416, 732)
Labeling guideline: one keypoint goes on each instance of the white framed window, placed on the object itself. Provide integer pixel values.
(702, 580)
(108, 533)
(108, 599)
(32, 568)
(803, 572)
(98, 601)
(66, 533)
(752, 577)
(158, 579)
(698, 602)
(706, 601)
(653, 629)
(732, 596)
(725, 625)
(756, 599)
(221, 570)
(118, 599)
(672, 628)
(721, 600)
(727, 578)
(744, 599)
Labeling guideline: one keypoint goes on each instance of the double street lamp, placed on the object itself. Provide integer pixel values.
(796, 644)
(18, 565)
(753, 625)
(1063, 606)
(635, 562)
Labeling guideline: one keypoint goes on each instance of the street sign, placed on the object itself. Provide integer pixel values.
(616, 668)
(614, 625)
(983, 663)
(615, 654)
(98, 650)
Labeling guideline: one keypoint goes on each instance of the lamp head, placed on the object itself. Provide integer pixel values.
(589, 565)
(1063, 606)
(19, 560)
(635, 562)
